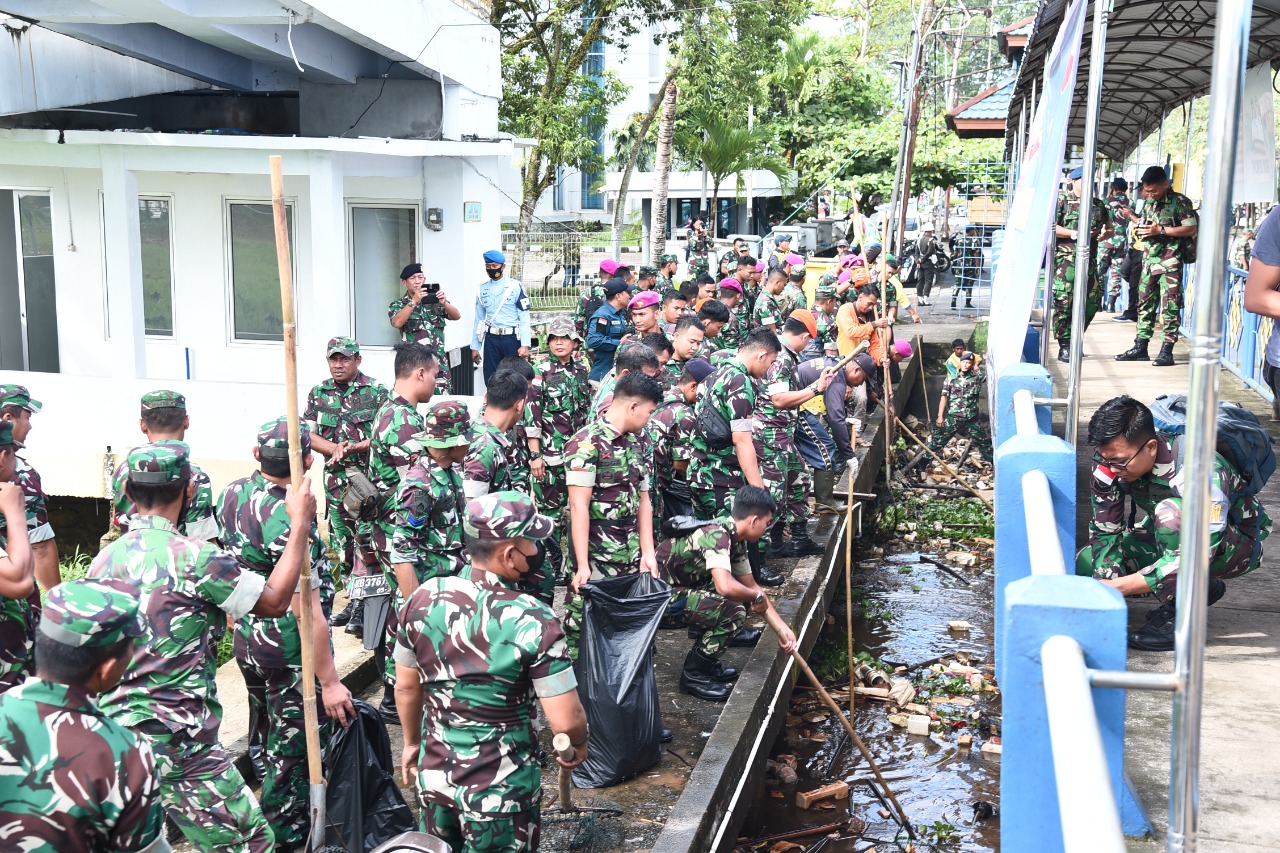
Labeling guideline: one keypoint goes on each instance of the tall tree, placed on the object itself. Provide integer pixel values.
(551, 93)
(639, 125)
(726, 148)
(662, 172)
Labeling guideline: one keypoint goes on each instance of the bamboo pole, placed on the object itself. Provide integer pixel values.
(945, 466)
(305, 622)
(848, 584)
(924, 381)
(776, 623)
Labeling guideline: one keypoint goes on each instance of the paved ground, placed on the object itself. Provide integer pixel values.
(1241, 728)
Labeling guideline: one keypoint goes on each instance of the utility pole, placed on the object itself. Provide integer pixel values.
(912, 116)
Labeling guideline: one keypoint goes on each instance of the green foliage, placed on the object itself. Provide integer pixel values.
(924, 512)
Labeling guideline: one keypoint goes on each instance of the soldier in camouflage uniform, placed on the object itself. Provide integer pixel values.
(1067, 229)
(487, 467)
(768, 311)
(557, 408)
(420, 316)
(1113, 248)
(164, 418)
(825, 306)
(168, 694)
(686, 342)
(792, 296)
(339, 413)
(16, 568)
(667, 266)
(716, 471)
(1136, 463)
(671, 431)
(74, 779)
(738, 327)
(644, 308)
(698, 248)
(707, 567)
(647, 278)
(1168, 227)
(785, 473)
(611, 517)
(521, 468)
(393, 449)
(17, 407)
(593, 296)
(472, 652)
(632, 358)
(255, 527)
(958, 409)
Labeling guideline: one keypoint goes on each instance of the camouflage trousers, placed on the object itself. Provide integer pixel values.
(285, 786)
(1064, 287)
(608, 560)
(205, 795)
(788, 479)
(1154, 553)
(952, 426)
(713, 487)
(1159, 288)
(349, 537)
(552, 495)
(719, 618)
(508, 832)
(1112, 252)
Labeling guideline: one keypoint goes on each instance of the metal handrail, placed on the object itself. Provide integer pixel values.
(1042, 525)
(1024, 413)
(1086, 800)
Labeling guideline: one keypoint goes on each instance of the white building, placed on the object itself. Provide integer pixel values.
(136, 237)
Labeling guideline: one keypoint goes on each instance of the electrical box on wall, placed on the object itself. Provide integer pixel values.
(435, 218)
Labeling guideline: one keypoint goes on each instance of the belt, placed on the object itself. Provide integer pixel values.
(501, 330)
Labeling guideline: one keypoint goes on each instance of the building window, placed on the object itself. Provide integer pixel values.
(383, 241)
(156, 241)
(255, 278)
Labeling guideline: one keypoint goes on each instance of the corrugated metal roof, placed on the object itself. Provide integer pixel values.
(1158, 56)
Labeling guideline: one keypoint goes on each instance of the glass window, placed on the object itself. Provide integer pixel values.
(157, 265)
(383, 240)
(255, 277)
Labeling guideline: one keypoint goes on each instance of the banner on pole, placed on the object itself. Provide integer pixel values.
(1255, 174)
(1035, 197)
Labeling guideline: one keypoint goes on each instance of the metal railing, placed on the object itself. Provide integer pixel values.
(1244, 334)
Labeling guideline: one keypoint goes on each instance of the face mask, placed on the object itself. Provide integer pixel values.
(538, 559)
(494, 274)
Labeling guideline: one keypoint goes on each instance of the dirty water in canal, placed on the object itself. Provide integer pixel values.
(902, 607)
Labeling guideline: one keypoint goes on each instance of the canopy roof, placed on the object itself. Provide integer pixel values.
(1158, 57)
(984, 114)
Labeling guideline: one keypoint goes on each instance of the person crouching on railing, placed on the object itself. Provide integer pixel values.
(1132, 460)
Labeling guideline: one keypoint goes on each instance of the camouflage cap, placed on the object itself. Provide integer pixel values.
(153, 400)
(562, 327)
(92, 613)
(825, 292)
(6, 435)
(646, 271)
(448, 424)
(340, 344)
(159, 462)
(663, 260)
(273, 439)
(506, 515)
(18, 395)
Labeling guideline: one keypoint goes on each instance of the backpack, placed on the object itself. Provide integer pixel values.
(1242, 439)
(714, 428)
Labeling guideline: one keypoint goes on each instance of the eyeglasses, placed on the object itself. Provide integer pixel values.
(1118, 466)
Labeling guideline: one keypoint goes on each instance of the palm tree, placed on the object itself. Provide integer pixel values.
(662, 171)
(630, 145)
(727, 148)
(796, 73)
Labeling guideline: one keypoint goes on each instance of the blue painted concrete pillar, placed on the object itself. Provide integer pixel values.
(1015, 457)
(1014, 378)
(1035, 609)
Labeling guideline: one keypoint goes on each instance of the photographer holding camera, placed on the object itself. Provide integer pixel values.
(420, 316)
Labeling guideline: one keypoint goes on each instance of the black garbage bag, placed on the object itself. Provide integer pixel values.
(616, 680)
(364, 805)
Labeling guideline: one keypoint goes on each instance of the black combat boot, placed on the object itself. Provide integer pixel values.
(763, 575)
(801, 544)
(723, 674)
(387, 710)
(778, 547)
(745, 638)
(698, 678)
(356, 625)
(1165, 358)
(1064, 352)
(1137, 352)
(342, 618)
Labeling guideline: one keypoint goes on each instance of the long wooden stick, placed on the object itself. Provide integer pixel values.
(776, 623)
(310, 719)
(945, 466)
(924, 380)
(848, 584)
(563, 748)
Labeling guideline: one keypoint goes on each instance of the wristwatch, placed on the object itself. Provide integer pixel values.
(759, 599)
